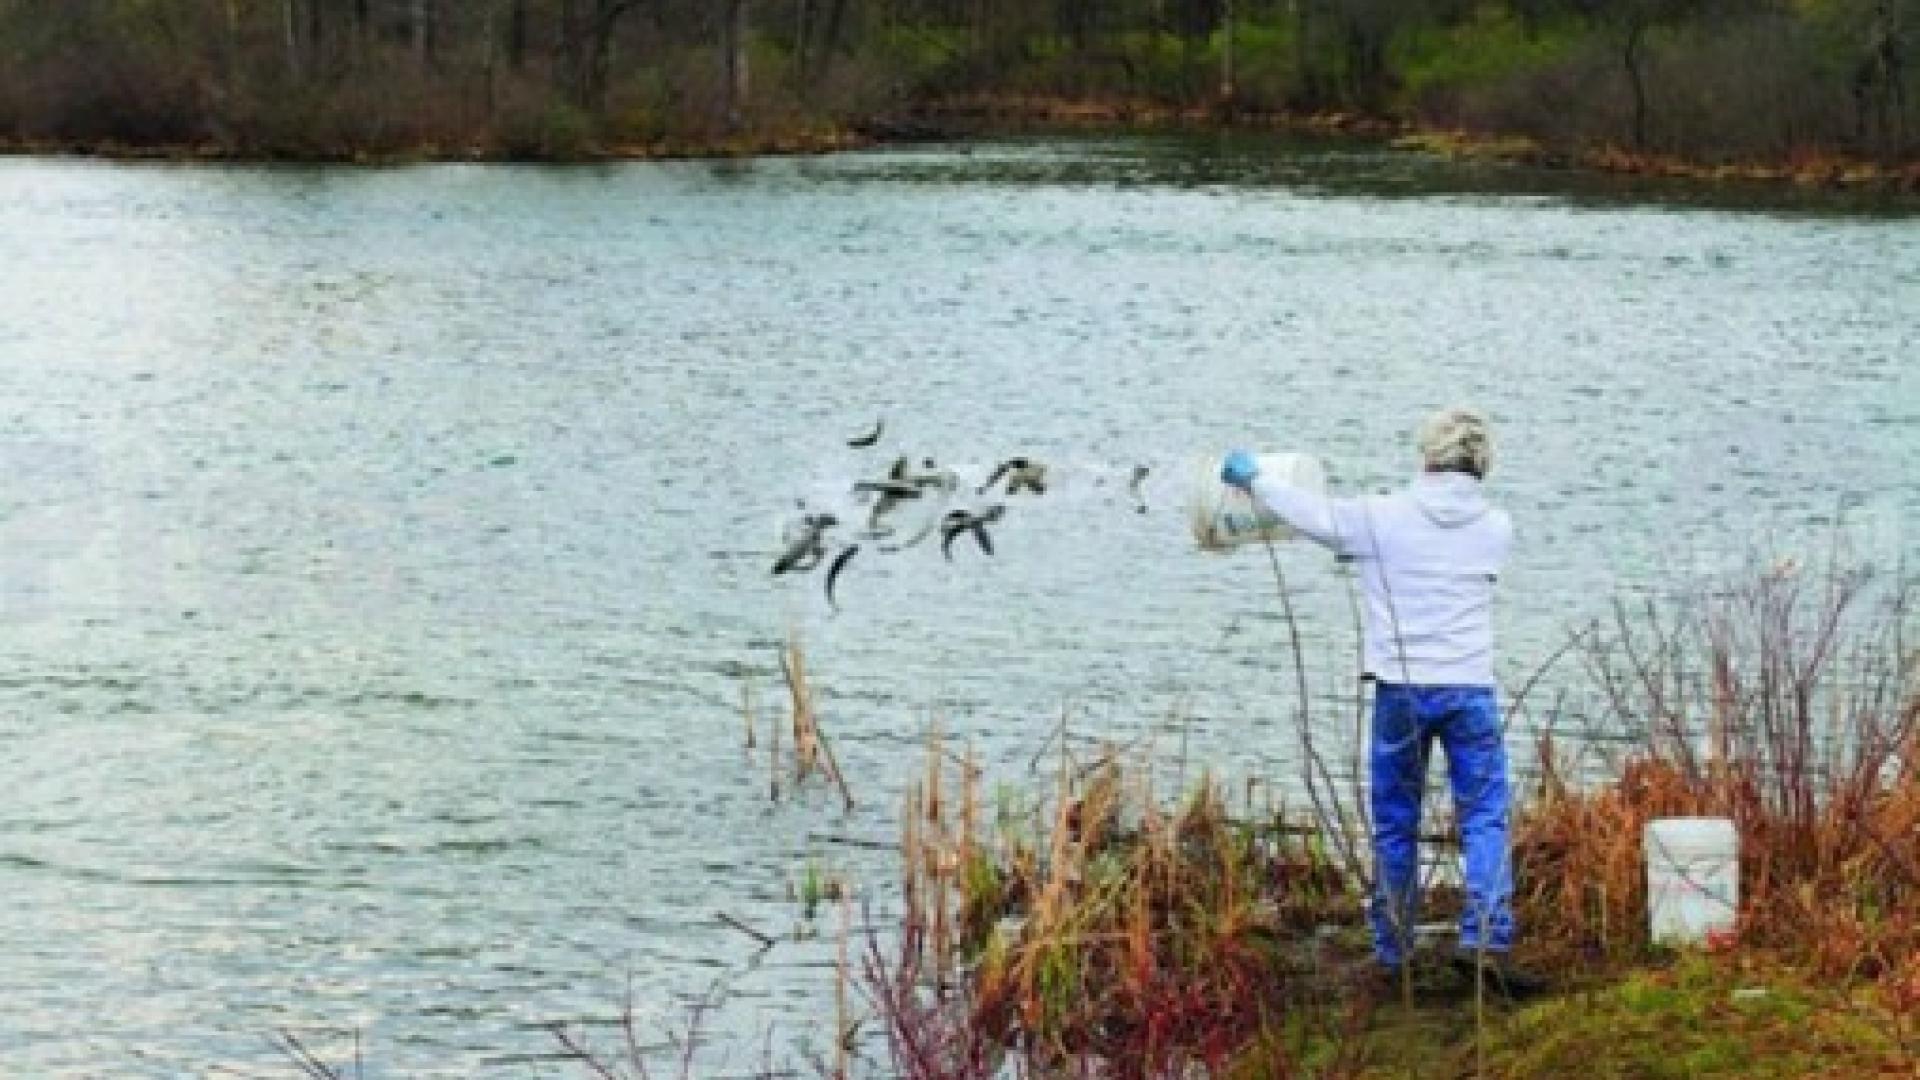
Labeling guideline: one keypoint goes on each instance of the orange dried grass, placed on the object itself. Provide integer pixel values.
(1839, 894)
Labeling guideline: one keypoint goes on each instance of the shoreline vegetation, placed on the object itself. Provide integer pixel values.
(1079, 922)
(936, 123)
(1813, 92)
(1101, 930)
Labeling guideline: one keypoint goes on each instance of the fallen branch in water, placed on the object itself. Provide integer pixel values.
(309, 1064)
(727, 920)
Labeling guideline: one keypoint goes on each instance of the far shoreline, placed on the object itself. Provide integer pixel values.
(984, 118)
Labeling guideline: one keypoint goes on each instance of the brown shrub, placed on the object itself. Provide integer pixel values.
(1792, 707)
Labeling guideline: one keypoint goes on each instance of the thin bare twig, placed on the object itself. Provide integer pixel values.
(729, 921)
(303, 1059)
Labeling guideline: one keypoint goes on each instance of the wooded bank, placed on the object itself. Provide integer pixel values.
(1707, 81)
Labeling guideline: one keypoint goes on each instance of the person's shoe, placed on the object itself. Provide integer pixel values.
(1501, 976)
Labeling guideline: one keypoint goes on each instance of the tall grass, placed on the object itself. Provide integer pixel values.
(1790, 704)
(1112, 932)
(1105, 932)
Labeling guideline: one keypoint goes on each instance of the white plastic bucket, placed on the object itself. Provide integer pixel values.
(1693, 879)
(1224, 517)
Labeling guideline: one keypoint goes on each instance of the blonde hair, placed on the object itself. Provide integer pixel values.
(1456, 440)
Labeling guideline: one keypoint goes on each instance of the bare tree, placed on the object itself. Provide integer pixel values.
(587, 32)
(1879, 82)
(739, 78)
(421, 22)
(290, 27)
(1634, 21)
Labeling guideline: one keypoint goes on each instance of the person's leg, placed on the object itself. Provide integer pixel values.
(1397, 771)
(1477, 771)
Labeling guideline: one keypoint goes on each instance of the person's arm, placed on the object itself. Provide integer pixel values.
(1339, 524)
(1332, 523)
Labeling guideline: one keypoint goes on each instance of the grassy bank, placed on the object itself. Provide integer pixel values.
(1105, 930)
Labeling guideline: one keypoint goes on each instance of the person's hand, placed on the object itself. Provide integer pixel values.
(1238, 470)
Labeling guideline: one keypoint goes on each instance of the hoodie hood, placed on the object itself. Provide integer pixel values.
(1449, 499)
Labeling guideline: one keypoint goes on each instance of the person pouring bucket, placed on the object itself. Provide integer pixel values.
(1428, 557)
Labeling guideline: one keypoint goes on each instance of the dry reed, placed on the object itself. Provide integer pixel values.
(1790, 705)
(1108, 929)
(811, 750)
(1111, 934)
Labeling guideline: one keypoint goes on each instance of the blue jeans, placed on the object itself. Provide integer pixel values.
(1466, 720)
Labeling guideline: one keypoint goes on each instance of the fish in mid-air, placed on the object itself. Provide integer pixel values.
(807, 546)
(1023, 474)
(968, 521)
(833, 572)
(1133, 489)
(872, 437)
(891, 493)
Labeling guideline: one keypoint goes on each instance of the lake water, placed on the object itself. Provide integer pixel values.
(383, 552)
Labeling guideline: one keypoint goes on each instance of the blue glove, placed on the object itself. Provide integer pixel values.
(1238, 470)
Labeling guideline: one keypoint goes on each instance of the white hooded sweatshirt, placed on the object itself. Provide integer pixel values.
(1428, 556)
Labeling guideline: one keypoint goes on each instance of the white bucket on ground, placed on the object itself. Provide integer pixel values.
(1223, 517)
(1693, 879)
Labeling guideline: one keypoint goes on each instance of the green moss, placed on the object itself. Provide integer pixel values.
(1491, 46)
(919, 52)
(1699, 1017)
(1696, 1019)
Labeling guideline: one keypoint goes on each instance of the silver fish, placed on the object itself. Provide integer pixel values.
(863, 441)
(1022, 474)
(833, 572)
(1133, 489)
(808, 545)
(964, 521)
